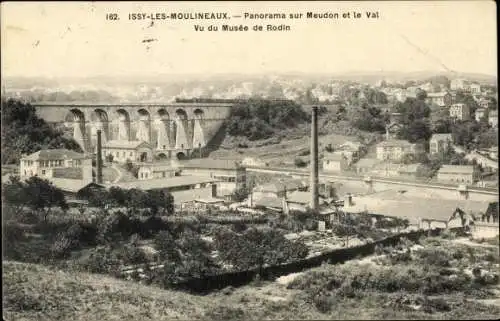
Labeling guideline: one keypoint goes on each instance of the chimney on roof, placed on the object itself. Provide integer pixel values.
(314, 158)
(99, 158)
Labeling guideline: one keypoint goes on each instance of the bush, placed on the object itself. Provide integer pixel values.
(116, 226)
(433, 256)
(28, 217)
(100, 260)
(63, 246)
(299, 162)
(239, 227)
(225, 313)
(323, 303)
(433, 305)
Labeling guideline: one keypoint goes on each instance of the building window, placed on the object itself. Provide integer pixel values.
(43, 172)
(131, 154)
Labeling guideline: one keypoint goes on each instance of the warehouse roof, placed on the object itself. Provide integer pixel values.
(161, 183)
(55, 154)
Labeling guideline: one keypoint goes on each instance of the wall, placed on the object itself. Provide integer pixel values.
(484, 230)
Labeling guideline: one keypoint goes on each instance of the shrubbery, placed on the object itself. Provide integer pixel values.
(260, 119)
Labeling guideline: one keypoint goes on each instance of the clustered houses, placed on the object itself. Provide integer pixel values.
(343, 156)
(465, 86)
(480, 114)
(439, 143)
(441, 99)
(493, 118)
(460, 111)
(395, 149)
(484, 159)
(230, 174)
(375, 167)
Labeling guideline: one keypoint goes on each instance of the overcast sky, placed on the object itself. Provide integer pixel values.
(74, 39)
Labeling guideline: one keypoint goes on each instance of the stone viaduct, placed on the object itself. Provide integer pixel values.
(174, 129)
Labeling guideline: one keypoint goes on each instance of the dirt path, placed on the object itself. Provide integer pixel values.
(466, 241)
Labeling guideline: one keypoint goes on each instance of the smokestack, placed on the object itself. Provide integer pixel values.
(314, 159)
(99, 158)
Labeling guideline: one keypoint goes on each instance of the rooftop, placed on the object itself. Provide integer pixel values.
(367, 162)
(459, 169)
(55, 154)
(395, 143)
(191, 195)
(209, 163)
(440, 94)
(301, 197)
(160, 183)
(269, 202)
(280, 186)
(394, 203)
(71, 185)
(333, 156)
(410, 168)
(132, 144)
(441, 136)
(163, 166)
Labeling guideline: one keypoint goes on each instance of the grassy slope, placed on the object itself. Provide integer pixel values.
(55, 295)
(37, 292)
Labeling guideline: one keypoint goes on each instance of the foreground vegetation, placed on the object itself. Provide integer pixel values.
(430, 280)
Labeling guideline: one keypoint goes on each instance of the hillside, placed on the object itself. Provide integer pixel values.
(23, 132)
(433, 279)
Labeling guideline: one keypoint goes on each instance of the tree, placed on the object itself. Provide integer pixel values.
(135, 199)
(23, 132)
(240, 194)
(43, 196)
(185, 256)
(155, 200)
(118, 196)
(98, 198)
(416, 131)
(14, 194)
(255, 248)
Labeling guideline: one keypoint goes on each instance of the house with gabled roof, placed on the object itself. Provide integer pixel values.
(53, 163)
(121, 151)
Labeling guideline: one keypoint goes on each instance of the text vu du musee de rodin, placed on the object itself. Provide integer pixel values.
(237, 26)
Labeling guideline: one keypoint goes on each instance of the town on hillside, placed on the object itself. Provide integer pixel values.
(318, 194)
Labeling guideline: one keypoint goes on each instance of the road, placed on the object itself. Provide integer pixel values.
(343, 176)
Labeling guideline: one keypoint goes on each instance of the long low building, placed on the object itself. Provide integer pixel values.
(177, 183)
(230, 174)
(406, 204)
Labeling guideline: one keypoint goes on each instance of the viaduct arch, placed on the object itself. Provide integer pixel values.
(173, 130)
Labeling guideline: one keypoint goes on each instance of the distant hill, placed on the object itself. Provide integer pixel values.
(164, 79)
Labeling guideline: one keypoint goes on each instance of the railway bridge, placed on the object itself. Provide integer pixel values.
(173, 129)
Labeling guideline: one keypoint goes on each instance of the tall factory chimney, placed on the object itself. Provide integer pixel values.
(314, 159)
(99, 158)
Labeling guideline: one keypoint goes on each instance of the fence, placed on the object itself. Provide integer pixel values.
(219, 281)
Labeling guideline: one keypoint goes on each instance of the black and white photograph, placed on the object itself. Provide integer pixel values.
(249, 160)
